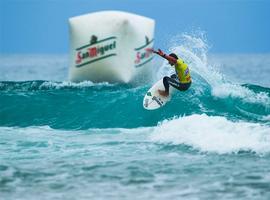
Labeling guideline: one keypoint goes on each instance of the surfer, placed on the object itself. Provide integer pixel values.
(181, 80)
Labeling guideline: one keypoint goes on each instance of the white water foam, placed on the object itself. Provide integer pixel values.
(233, 90)
(193, 50)
(214, 134)
(68, 84)
(47, 85)
(208, 134)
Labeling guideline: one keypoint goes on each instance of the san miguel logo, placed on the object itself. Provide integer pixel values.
(143, 55)
(96, 50)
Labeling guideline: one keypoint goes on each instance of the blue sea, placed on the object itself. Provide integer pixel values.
(63, 140)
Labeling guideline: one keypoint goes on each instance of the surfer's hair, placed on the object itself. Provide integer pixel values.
(174, 55)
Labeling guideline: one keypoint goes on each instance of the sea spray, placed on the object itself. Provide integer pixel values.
(194, 49)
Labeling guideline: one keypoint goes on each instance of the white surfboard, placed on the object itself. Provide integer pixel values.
(153, 100)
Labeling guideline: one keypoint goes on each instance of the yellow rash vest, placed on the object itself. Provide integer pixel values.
(182, 71)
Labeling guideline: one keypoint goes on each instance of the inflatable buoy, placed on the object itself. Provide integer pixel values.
(110, 46)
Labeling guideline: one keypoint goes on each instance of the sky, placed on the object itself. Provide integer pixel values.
(230, 26)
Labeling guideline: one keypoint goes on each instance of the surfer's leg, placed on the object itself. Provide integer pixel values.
(173, 82)
(166, 86)
(166, 83)
(174, 76)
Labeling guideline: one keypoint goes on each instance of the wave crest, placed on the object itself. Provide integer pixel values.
(214, 134)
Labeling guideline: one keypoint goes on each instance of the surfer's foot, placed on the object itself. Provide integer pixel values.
(163, 93)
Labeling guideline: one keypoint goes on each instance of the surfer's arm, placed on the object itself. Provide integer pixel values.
(163, 55)
(170, 59)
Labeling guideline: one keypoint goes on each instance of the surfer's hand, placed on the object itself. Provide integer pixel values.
(151, 50)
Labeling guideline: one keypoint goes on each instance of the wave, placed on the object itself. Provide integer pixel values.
(197, 132)
(214, 134)
(101, 105)
(87, 105)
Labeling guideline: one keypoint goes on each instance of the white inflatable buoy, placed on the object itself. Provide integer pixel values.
(110, 46)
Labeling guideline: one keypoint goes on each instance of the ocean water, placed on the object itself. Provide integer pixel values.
(62, 140)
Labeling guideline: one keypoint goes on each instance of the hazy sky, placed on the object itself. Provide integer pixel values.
(231, 26)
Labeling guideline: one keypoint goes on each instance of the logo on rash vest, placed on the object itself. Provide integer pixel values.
(96, 50)
(186, 72)
(143, 55)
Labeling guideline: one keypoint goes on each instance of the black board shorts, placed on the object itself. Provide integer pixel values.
(174, 82)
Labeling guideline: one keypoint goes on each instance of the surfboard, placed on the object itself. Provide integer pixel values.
(153, 100)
